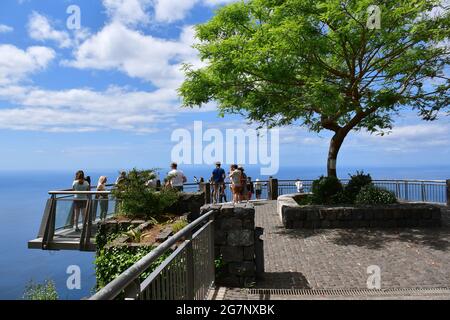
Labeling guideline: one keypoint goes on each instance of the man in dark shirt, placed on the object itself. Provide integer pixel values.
(218, 179)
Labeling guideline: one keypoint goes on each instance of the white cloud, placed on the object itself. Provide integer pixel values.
(16, 64)
(40, 28)
(5, 29)
(145, 57)
(130, 12)
(172, 10)
(85, 110)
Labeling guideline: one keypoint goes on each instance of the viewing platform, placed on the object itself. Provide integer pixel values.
(57, 231)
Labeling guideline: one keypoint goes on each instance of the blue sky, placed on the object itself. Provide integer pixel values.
(104, 96)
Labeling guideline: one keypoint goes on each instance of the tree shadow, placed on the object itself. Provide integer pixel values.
(375, 238)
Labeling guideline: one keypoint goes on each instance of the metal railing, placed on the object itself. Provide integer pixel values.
(227, 194)
(187, 274)
(59, 222)
(427, 191)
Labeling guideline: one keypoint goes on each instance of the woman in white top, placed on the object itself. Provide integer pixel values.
(102, 198)
(80, 200)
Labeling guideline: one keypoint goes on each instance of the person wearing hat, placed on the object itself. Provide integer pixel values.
(218, 180)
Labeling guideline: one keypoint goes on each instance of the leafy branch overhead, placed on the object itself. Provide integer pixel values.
(316, 63)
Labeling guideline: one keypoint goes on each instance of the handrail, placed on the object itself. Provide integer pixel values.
(78, 192)
(113, 289)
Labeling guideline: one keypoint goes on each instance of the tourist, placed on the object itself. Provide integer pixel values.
(176, 178)
(222, 194)
(218, 178)
(244, 190)
(80, 200)
(102, 198)
(299, 186)
(121, 177)
(236, 186)
(258, 189)
(250, 189)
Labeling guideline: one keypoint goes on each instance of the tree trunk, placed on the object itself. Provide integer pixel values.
(335, 146)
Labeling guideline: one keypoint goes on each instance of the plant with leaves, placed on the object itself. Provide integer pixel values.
(136, 199)
(37, 291)
(356, 183)
(325, 190)
(316, 63)
(372, 195)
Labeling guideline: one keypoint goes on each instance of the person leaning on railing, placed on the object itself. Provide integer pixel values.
(80, 200)
(102, 198)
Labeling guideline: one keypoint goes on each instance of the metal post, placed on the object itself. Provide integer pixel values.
(190, 294)
(448, 192)
(406, 190)
(212, 250)
(133, 291)
(424, 198)
(273, 188)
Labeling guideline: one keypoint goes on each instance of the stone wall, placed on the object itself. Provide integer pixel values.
(235, 242)
(188, 203)
(402, 215)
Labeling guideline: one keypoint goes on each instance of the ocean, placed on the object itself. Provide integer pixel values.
(23, 196)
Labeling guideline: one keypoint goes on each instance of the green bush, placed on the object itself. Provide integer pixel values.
(325, 189)
(112, 262)
(371, 195)
(45, 291)
(136, 199)
(354, 186)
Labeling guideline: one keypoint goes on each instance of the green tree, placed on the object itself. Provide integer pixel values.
(319, 64)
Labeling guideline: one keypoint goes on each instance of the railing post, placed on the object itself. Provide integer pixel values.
(85, 239)
(211, 247)
(448, 192)
(132, 292)
(273, 189)
(190, 294)
(207, 192)
(424, 198)
(406, 190)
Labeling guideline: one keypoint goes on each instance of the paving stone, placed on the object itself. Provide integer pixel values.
(338, 258)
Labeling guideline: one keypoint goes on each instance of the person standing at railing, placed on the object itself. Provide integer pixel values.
(258, 189)
(218, 178)
(236, 186)
(299, 186)
(250, 189)
(244, 191)
(80, 200)
(102, 198)
(121, 177)
(176, 178)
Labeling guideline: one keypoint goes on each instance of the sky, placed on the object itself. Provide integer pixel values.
(104, 95)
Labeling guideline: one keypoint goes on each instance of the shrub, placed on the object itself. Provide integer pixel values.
(45, 291)
(356, 183)
(179, 225)
(112, 262)
(371, 195)
(136, 199)
(325, 188)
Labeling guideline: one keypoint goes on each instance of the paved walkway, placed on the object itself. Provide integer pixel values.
(338, 259)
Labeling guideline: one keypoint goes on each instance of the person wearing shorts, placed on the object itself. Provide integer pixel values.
(80, 200)
(217, 178)
(236, 186)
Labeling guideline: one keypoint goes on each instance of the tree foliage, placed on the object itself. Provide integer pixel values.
(317, 64)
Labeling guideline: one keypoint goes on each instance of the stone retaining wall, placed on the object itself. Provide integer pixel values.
(235, 242)
(294, 216)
